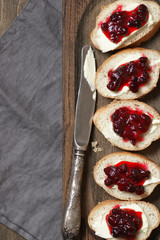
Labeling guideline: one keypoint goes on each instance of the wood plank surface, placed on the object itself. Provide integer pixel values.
(9, 10)
(78, 20)
(72, 14)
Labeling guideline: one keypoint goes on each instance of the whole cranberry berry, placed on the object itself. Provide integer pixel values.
(116, 211)
(142, 8)
(122, 184)
(114, 17)
(122, 30)
(120, 22)
(137, 23)
(146, 118)
(142, 128)
(133, 86)
(131, 188)
(134, 15)
(139, 190)
(115, 76)
(136, 222)
(142, 16)
(104, 27)
(134, 79)
(111, 24)
(112, 173)
(107, 170)
(118, 127)
(120, 71)
(113, 29)
(131, 68)
(124, 117)
(114, 38)
(130, 23)
(134, 118)
(143, 59)
(112, 220)
(136, 175)
(115, 117)
(127, 135)
(122, 168)
(108, 181)
(145, 75)
(145, 174)
(112, 86)
(116, 232)
(142, 80)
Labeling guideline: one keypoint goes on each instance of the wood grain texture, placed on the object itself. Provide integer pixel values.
(72, 14)
(78, 21)
(9, 10)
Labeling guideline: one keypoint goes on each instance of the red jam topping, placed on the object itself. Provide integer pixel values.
(122, 23)
(129, 176)
(124, 223)
(134, 74)
(130, 124)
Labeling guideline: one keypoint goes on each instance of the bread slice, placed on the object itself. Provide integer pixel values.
(123, 57)
(102, 120)
(103, 208)
(114, 158)
(100, 41)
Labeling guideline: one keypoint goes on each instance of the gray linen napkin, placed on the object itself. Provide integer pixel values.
(30, 122)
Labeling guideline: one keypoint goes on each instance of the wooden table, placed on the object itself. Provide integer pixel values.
(78, 22)
(9, 10)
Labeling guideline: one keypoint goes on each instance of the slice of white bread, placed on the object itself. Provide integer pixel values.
(102, 120)
(103, 208)
(114, 158)
(123, 57)
(99, 40)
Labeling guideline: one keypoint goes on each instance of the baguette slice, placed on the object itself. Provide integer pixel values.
(103, 208)
(114, 158)
(123, 57)
(100, 41)
(102, 120)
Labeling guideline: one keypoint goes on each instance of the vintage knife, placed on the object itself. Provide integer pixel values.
(83, 123)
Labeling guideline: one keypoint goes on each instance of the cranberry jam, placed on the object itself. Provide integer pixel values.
(129, 176)
(130, 124)
(124, 223)
(122, 23)
(134, 74)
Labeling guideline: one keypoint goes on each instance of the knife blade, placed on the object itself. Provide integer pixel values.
(83, 123)
(86, 99)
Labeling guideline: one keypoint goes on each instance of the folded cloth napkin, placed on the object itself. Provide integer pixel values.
(30, 122)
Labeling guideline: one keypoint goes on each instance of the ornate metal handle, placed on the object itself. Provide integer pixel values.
(72, 214)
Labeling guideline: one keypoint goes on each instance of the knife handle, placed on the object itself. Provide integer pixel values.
(72, 214)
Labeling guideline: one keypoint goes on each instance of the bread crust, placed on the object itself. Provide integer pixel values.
(118, 202)
(137, 42)
(116, 103)
(126, 51)
(117, 193)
